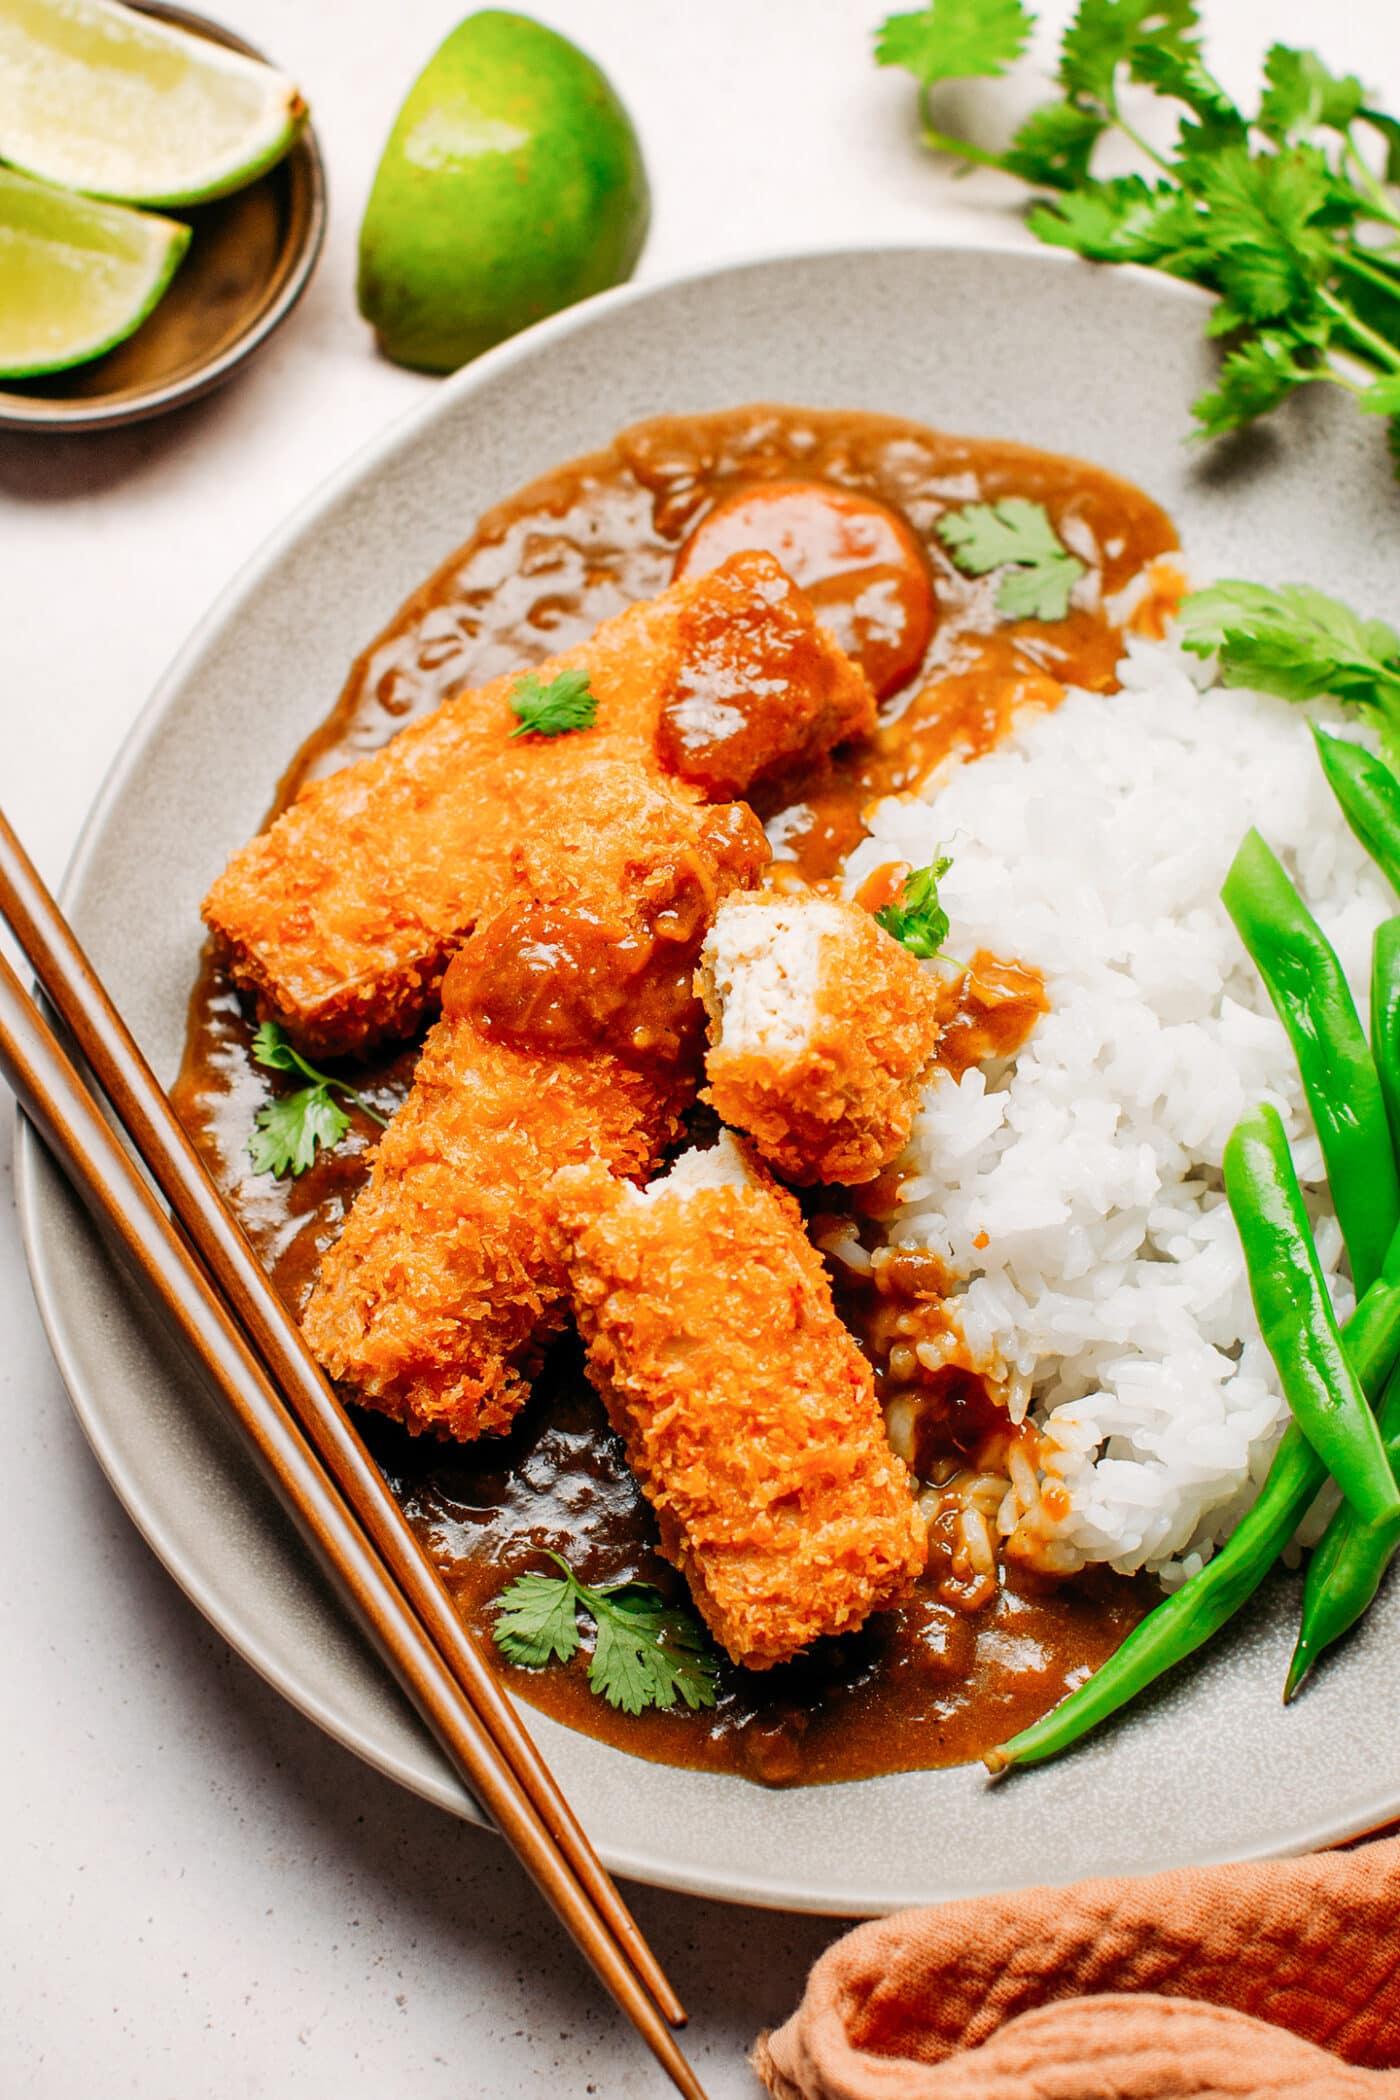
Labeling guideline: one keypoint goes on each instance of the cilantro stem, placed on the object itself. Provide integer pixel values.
(1361, 266)
(347, 1093)
(1376, 345)
(336, 1086)
(960, 149)
(1134, 136)
(1364, 175)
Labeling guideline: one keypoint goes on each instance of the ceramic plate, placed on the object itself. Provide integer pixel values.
(1008, 344)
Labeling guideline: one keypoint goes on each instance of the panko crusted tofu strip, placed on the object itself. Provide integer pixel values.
(821, 1029)
(748, 1412)
(342, 916)
(569, 1032)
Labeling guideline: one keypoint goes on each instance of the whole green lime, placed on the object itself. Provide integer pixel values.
(512, 185)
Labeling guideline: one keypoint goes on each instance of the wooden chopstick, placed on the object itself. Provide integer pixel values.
(177, 1169)
(57, 1101)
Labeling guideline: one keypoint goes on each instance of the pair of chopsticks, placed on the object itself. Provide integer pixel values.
(230, 1315)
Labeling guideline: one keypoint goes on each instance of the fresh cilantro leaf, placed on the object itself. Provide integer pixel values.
(1105, 34)
(1381, 398)
(1041, 592)
(916, 919)
(1254, 379)
(620, 1670)
(565, 704)
(1125, 220)
(1178, 71)
(955, 39)
(982, 536)
(537, 1621)
(638, 1661)
(271, 1048)
(1254, 229)
(1307, 328)
(1294, 642)
(1016, 535)
(1055, 144)
(1303, 96)
(288, 1130)
(645, 1652)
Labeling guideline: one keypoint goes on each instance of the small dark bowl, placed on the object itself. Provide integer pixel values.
(249, 262)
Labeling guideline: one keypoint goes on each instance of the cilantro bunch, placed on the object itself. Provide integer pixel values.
(1285, 211)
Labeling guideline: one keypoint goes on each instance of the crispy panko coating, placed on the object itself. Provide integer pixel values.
(342, 916)
(569, 1032)
(440, 1297)
(748, 1412)
(821, 1030)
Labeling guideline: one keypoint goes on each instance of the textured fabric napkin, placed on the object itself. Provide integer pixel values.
(1278, 1979)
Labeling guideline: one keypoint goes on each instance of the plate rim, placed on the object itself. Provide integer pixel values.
(223, 1615)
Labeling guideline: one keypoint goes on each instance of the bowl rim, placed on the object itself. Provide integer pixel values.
(307, 170)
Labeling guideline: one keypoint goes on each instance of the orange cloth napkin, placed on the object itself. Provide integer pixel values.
(1278, 1979)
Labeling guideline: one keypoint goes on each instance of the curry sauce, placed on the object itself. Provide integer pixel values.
(934, 1682)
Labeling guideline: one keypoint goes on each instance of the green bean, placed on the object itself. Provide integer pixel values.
(1369, 794)
(1296, 1317)
(1185, 1621)
(1345, 1571)
(1385, 1020)
(1346, 1568)
(1313, 999)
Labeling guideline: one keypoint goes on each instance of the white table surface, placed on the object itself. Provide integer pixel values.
(204, 1896)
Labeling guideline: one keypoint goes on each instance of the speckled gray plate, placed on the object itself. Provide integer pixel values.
(1028, 346)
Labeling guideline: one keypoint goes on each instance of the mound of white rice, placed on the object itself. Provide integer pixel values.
(1076, 1193)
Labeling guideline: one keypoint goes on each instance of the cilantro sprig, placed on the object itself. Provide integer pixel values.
(556, 709)
(916, 918)
(645, 1651)
(955, 39)
(288, 1132)
(1016, 535)
(1298, 644)
(1287, 212)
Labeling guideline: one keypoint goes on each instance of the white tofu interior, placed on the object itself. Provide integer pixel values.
(721, 1166)
(764, 959)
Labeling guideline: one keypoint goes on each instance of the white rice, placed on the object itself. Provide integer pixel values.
(1092, 844)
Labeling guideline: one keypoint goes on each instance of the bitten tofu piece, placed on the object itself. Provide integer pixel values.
(821, 1029)
(569, 1032)
(748, 1412)
(341, 917)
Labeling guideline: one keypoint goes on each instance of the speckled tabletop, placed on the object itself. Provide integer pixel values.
(203, 1895)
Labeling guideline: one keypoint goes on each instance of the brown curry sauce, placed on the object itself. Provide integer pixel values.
(932, 1683)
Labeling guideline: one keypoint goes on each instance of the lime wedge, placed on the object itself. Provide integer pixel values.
(76, 276)
(102, 99)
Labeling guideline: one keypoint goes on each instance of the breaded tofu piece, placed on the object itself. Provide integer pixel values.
(341, 918)
(821, 1029)
(748, 1412)
(439, 1299)
(569, 1032)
